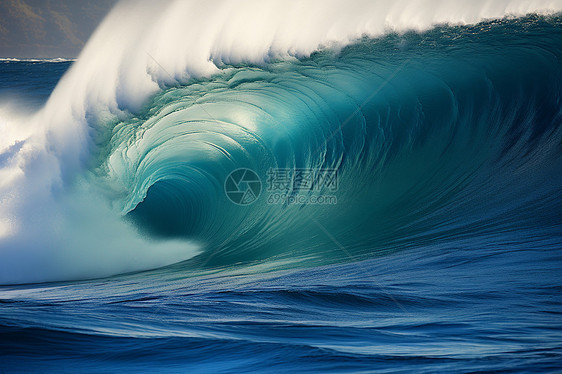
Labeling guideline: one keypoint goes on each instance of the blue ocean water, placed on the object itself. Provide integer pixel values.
(442, 254)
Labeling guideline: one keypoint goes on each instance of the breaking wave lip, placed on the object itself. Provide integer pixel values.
(124, 167)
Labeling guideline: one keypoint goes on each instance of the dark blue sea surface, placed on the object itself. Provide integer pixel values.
(30, 81)
(457, 308)
(442, 254)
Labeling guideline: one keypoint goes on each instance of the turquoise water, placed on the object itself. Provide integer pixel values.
(442, 251)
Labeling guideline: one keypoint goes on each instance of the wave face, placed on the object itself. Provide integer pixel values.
(420, 156)
(439, 134)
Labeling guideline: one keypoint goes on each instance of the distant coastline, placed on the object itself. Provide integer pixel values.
(46, 30)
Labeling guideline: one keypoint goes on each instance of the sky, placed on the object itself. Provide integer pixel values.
(48, 28)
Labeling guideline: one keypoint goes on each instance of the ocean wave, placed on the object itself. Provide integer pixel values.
(433, 130)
